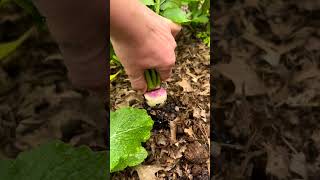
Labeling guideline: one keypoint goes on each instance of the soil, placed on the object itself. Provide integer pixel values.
(179, 145)
(266, 82)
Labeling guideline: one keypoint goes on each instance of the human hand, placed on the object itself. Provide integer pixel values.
(147, 43)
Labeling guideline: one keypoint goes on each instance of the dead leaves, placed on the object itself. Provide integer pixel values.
(185, 85)
(147, 172)
(298, 165)
(243, 76)
(276, 55)
(278, 162)
(273, 52)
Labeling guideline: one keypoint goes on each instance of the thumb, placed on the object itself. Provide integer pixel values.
(138, 82)
(175, 28)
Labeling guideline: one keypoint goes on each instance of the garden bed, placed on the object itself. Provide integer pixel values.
(266, 81)
(179, 144)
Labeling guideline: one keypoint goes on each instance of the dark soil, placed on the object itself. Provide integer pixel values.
(266, 82)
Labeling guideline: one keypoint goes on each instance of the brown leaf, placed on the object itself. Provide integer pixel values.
(241, 74)
(273, 52)
(148, 172)
(189, 131)
(298, 165)
(185, 85)
(278, 162)
(312, 72)
(196, 113)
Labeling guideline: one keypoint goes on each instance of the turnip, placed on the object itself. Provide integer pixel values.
(155, 95)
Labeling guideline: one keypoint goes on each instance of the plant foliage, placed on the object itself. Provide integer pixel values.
(56, 160)
(128, 128)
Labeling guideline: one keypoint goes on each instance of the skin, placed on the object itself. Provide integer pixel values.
(145, 41)
(141, 39)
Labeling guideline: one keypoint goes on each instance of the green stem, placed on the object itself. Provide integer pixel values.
(149, 80)
(153, 77)
(157, 6)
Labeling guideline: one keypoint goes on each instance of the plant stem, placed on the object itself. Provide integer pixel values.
(153, 77)
(157, 6)
(149, 80)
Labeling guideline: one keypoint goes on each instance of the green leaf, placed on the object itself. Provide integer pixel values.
(56, 160)
(113, 76)
(128, 128)
(170, 4)
(200, 19)
(205, 6)
(148, 2)
(9, 47)
(176, 15)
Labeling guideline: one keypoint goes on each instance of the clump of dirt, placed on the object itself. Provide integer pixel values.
(162, 115)
(179, 144)
(266, 82)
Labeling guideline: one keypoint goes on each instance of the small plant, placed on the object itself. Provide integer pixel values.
(181, 11)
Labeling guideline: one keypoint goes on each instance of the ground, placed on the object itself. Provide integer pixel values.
(179, 145)
(266, 83)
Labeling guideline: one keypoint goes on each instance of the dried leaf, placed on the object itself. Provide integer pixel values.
(148, 172)
(278, 162)
(241, 74)
(189, 131)
(298, 165)
(185, 85)
(196, 113)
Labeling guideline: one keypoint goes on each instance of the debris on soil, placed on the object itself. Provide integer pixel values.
(266, 84)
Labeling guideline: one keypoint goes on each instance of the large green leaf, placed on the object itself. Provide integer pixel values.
(55, 161)
(128, 128)
(9, 47)
(177, 15)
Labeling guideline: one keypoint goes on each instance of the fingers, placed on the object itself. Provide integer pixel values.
(175, 28)
(138, 82)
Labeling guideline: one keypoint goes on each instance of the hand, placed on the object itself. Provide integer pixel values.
(146, 43)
